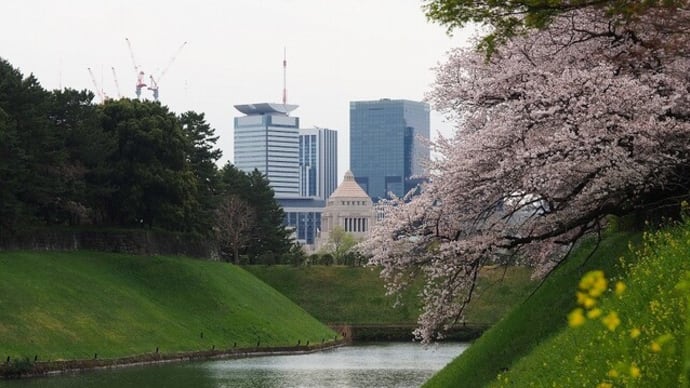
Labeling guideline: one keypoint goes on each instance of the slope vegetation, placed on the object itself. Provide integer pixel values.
(78, 304)
(337, 294)
(631, 334)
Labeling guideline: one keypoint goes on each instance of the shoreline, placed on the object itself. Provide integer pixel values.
(56, 368)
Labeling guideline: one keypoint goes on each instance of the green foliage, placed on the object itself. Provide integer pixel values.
(537, 318)
(156, 185)
(202, 157)
(630, 335)
(341, 294)
(339, 245)
(126, 163)
(509, 18)
(269, 240)
(72, 305)
(633, 333)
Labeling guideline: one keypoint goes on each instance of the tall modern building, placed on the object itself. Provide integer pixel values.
(387, 150)
(267, 139)
(318, 162)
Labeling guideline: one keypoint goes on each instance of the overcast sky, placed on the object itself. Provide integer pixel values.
(337, 52)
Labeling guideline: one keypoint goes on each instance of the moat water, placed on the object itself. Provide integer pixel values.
(367, 365)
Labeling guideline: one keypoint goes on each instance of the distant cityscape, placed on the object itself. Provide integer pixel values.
(387, 155)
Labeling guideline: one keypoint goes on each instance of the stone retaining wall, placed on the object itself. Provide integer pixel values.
(47, 368)
(134, 242)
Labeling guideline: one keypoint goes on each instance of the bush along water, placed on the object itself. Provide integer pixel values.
(629, 331)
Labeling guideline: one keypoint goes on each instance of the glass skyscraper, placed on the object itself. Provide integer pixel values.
(267, 139)
(318, 162)
(387, 150)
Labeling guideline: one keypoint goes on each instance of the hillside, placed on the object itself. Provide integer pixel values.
(631, 334)
(74, 305)
(337, 294)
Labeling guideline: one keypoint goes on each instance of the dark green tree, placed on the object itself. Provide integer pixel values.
(72, 114)
(202, 156)
(270, 235)
(31, 152)
(269, 238)
(155, 185)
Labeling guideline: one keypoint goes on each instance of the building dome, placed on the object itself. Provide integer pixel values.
(349, 188)
(350, 208)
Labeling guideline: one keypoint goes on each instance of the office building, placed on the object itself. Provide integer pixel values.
(387, 146)
(267, 139)
(318, 162)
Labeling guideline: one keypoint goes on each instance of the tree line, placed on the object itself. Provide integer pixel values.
(65, 161)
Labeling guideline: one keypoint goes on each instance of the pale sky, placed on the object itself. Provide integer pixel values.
(337, 52)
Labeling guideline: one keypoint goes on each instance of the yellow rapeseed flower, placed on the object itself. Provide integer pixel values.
(620, 288)
(655, 347)
(599, 286)
(594, 313)
(611, 321)
(635, 332)
(634, 371)
(593, 280)
(576, 318)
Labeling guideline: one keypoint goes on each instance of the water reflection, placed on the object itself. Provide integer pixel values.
(373, 365)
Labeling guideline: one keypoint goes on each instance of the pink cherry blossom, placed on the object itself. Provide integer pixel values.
(559, 129)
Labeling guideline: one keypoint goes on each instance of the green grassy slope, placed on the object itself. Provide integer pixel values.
(535, 346)
(538, 318)
(356, 295)
(72, 305)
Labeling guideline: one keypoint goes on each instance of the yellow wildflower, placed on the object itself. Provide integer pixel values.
(594, 313)
(594, 283)
(634, 333)
(576, 318)
(613, 373)
(604, 385)
(655, 347)
(620, 288)
(634, 371)
(611, 321)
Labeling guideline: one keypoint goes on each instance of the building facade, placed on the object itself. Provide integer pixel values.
(349, 208)
(318, 162)
(267, 139)
(387, 146)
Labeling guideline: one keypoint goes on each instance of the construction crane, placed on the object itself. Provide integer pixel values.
(99, 91)
(137, 71)
(153, 82)
(117, 84)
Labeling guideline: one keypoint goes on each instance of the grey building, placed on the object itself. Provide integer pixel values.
(318, 162)
(267, 139)
(386, 147)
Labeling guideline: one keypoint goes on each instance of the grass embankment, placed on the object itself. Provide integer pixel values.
(337, 294)
(74, 305)
(631, 337)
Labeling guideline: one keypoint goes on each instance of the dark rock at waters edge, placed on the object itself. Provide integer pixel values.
(26, 368)
(133, 242)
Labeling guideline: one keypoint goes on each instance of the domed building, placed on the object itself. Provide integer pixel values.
(350, 208)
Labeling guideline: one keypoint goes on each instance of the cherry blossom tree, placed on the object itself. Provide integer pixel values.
(558, 129)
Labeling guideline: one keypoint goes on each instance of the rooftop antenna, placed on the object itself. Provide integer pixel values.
(284, 76)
